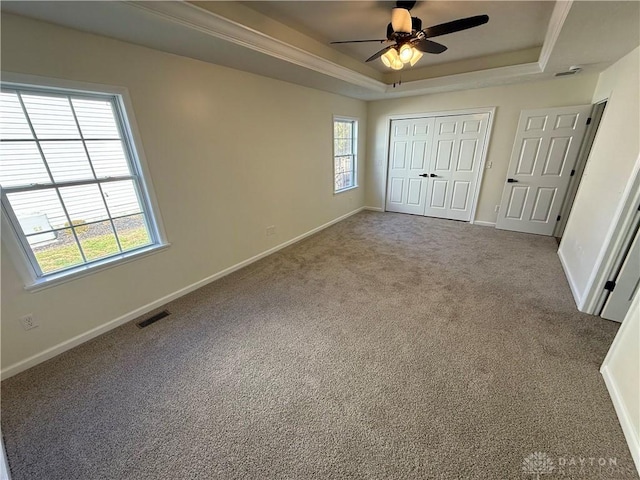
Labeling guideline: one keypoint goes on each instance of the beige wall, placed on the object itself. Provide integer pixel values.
(621, 370)
(509, 100)
(614, 155)
(229, 153)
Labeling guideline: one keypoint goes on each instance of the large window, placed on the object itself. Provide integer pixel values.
(71, 183)
(344, 153)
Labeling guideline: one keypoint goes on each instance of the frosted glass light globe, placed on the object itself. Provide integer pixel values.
(417, 55)
(406, 52)
(397, 64)
(388, 57)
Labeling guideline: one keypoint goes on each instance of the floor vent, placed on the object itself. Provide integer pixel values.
(154, 319)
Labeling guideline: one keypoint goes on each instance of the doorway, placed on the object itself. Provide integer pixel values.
(624, 279)
(595, 117)
(543, 160)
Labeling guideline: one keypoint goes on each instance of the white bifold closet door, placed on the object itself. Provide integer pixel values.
(434, 165)
(409, 156)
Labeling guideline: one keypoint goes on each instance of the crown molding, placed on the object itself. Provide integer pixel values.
(207, 22)
(478, 79)
(558, 17)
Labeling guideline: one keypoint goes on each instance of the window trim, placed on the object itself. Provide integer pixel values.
(131, 139)
(356, 126)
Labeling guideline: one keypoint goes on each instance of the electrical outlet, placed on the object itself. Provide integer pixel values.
(271, 230)
(28, 322)
(497, 209)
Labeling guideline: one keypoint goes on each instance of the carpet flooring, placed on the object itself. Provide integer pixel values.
(387, 346)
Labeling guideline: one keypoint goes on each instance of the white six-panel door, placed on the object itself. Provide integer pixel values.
(544, 153)
(409, 153)
(434, 165)
(458, 143)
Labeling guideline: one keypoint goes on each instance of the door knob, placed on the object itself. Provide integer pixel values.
(433, 175)
(512, 180)
(423, 175)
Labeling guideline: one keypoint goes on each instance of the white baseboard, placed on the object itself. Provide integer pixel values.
(374, 209)
(484, 224)
(572, 285)
(628, 429)
(86, 336)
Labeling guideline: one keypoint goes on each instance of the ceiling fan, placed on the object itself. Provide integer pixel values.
(410, 40)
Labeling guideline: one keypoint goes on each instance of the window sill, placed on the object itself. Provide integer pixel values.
(336, 192)
(85, 270)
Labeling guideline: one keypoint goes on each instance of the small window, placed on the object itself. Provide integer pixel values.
(344, 153)
(72, 188)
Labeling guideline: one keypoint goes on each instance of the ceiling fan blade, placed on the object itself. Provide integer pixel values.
(428, 46)
(379, 54)
(455, 26)
(360, 41)
(401, 20)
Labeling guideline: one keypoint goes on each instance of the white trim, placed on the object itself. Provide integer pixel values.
(188, 16)
(596, 114)
(558, 17)
(616, 341)
(467, 111)
(355, 139)
(207, 22)
(61, 83)
(347, 189)
(624, 418)
(483, 161)
(132, 124)
(462, 81)
(374, 209)
(622, 219)
(55, 279)
(572, 285)
(86, 336)
(482, 223)
(138, 161)
(441, 113)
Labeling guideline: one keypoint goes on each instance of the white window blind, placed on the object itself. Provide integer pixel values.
(71, 185)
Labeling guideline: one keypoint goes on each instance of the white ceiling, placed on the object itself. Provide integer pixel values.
(290, 43)
(515, 25)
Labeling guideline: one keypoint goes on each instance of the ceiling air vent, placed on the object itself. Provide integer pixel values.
(571, 71)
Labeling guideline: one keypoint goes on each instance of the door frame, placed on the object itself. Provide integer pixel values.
(630, 240)
(446, 113)
(596, 114)
(624, 221)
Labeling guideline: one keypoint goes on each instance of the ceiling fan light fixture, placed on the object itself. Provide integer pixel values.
(390, 57)
(397, 64)
(417, 55)
(406, 53)
(401, 20)
(386, 60)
